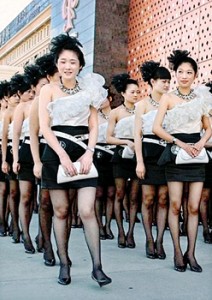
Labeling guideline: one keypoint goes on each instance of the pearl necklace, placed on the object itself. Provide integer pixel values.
(187, 97)
(152, 101)
(129, 110)
(73, 91)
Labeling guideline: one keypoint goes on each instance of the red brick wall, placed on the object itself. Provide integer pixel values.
(158, 27)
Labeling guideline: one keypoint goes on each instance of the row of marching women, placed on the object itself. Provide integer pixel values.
(62, 143)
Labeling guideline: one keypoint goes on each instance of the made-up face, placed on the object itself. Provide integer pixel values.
(185, 75)
(40, 84)
(13, 100)
(132, 93)
(161, 85)
(68, 64)
(28, 95)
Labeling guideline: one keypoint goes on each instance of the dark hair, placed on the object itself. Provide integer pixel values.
(121, 81)
(152, 70)
(34, 73)
(109, 92)
(66, 42)
(209, 84)
(47, 64)
(4, 88)
(19, 83)
(181, 56)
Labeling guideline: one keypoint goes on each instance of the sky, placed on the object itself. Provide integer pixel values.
(9, 9)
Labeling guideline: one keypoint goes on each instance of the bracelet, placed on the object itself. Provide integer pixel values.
(90, 149)
(174, 140)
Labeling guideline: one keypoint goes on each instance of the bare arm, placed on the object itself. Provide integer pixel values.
(140, 167)
(6, 122)
(110, 131)
(17, 127)
(34, 139)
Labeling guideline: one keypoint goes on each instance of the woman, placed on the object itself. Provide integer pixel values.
(120, 132)
(7, 158)
(206, 192)
(3, 186)
(68, 109)
(186, 113)
(22, 158)
(43, 239)
(106, 186)
(148, 148)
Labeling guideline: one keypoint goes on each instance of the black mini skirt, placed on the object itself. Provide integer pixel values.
(51, 161)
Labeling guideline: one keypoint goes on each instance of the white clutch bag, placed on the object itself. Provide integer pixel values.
(128, 152)
(184, 158)
(62, 177)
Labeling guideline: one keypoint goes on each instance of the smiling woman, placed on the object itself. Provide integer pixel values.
(10, 9)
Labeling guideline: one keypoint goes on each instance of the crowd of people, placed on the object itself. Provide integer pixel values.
(52, 116)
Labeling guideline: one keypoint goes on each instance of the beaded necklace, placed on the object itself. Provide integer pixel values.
(73, 91)
(129, 110)
(152, 101)
(187, 97)
(104, 116)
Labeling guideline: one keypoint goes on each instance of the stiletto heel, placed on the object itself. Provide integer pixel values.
(195, 267)
(100, 277)
(179, 268)
(64, 277)
(150, 254)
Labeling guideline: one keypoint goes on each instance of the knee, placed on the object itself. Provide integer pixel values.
(175, 207)
(119, 195)
(86, 213)
(193, 209)
(162, 200)
(61, 212)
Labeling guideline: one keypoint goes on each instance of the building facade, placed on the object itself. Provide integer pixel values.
(117, 36)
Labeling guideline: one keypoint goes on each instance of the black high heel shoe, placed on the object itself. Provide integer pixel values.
(179, 268)
(16, 237)
(195, 267)
(29, 247)
(64, 276)
(160, 253)
(121, 243)
(207, 237)
(130, 243)
(100, 277)
(39, 245)
(150, 254)
(108, 234)
(49, 259)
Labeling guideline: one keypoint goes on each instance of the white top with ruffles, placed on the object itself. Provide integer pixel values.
(102, 132)
(125, 128)
(74, 110)
(186, 117)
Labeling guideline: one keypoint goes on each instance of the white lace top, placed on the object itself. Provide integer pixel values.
(186, 117)
(102, 133)
(74, 110)
(125, 128)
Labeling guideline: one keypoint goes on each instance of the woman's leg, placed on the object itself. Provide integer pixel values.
(45, 217)
(60, 202)
(3, 205)
(99, 210)
(195, 191)
(175, 198)
(204, 215)
(133, 209)
(26, 192)
(13, 205)
(118, 206)
(86, 199)
(148, 196)
(183, 228)
(109, 211)
(162, 210)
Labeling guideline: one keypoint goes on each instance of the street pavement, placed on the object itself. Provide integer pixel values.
(25, 277)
